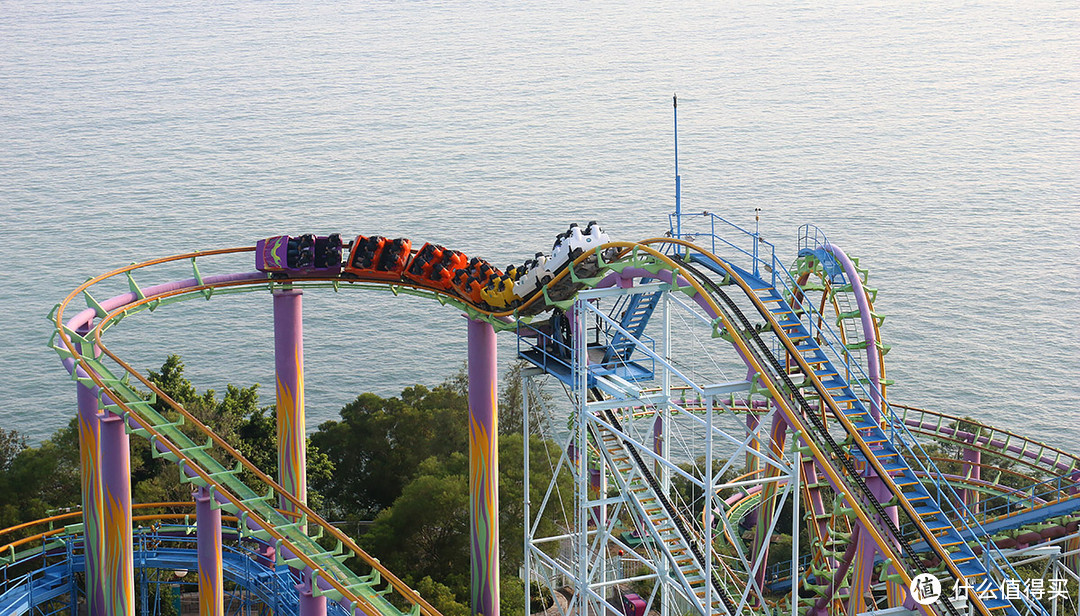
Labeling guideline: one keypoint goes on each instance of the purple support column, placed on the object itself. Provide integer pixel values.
(289, 366)
(658, 434)
(821, 604)
(594, 493)
(658, 441)
(752, 422)
(118, 571)
(483, 469)
(752, 461)
(816, 504)
(777, 437)
(90, 473)
(310, 605)
(208, 521)
(972, 469)
(873, 365)
(862, 576)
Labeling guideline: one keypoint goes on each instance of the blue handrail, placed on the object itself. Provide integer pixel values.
(38, 574)
(811, 238)
(757, 260)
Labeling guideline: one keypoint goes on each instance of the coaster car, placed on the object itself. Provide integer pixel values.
(299, 254)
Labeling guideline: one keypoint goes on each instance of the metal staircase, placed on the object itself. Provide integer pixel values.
(669, 531)
(870, 446)
(867, 450)
(638, 308)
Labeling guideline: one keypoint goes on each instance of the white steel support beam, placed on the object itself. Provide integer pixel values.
(667, 489)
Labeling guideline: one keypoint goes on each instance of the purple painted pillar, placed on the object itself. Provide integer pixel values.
(862, 576)
(816, 504)
(594, 493)
(658, 435)
(289, 367)
(90, 473)
(873, 365)
(310, 605)
(752, 460)
(972, 469)
(208, 537)
(483, 469)
(777, 437)
(821, 604)
(752, 422)
(118, 571)
(658, 442)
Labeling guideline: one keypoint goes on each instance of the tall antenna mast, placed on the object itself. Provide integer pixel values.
(678, 180)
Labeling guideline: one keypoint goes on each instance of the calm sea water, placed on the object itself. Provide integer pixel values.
(938, 142)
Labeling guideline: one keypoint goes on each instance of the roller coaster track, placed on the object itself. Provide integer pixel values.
(1055, 492)
(968, 432)
(871, 446)
(218, 466)
(295, 540)
(244, 491)
(39, 568)
(1022, 510)
(671, 533)
(847, 480)
(859, 326)
(845, 285)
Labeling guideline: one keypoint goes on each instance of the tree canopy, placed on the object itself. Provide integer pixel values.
(400, 464)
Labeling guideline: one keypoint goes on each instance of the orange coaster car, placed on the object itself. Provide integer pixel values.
(378, 258)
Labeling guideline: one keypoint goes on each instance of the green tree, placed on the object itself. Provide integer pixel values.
(440, 596)
(34, 480)
(409, 468)
(257, 439)
(510, 407)
(426, 530)
(382, 441)
(41, 478)
(542, 454)
(237, 418)
(692, 494)
(156, 479)
(12, 442)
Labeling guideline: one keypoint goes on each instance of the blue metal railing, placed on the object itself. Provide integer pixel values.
(778, 572)
(1047, 492)
(1030, 499)
(900, 437)
(46, 572)
(813, 239)
(34, 577)
(692, 227)
(552, 355)
(555, 357)
(1035, 496)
